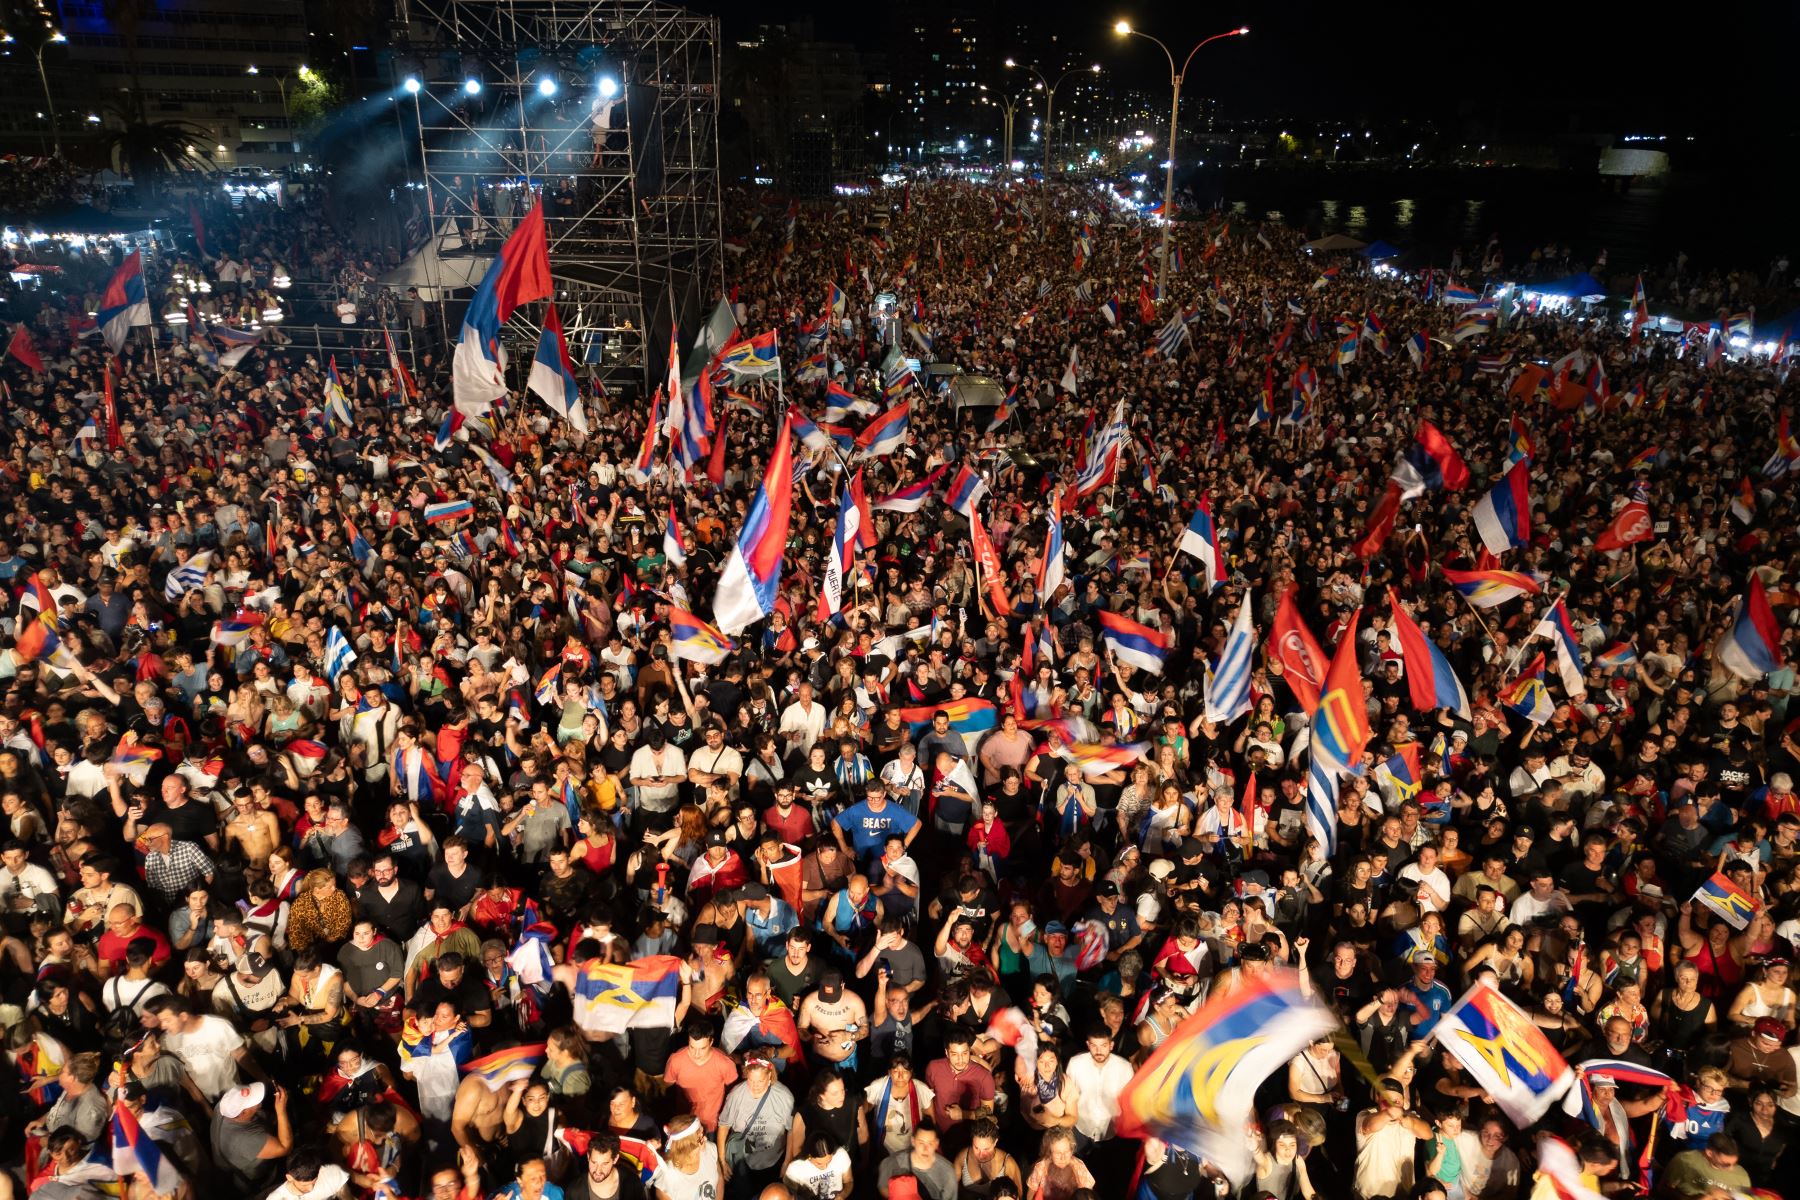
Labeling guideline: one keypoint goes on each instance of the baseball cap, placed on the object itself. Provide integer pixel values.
(831, 985)
(240, 1100)
(1771, 1027)
(254, 966)
(1055, 927)
(1600, 1079)
(1107, 888)
(1191, 848)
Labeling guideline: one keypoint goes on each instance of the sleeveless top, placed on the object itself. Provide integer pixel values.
(981, 1186)
(1682, 1029)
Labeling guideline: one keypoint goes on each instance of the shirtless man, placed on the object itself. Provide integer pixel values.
(710, 968)
(835, 1020)
(479, 1106)
(255, 831)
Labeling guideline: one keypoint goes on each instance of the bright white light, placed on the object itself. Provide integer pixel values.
(1123, 28)
(251, 69)
(411, 85)
(609, 87)
(472, 86)
(93, 118)
(58, 38)
(546, 86)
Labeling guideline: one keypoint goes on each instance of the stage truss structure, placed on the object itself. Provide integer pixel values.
(611, 109)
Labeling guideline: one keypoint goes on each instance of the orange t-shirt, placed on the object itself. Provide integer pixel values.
(704, 1082)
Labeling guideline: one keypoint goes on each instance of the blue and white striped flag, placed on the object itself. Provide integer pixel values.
(338, 653)
(188, 576)
(1228, 688)
(1172, 336)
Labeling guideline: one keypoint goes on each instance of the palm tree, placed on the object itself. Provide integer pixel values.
(153, 152)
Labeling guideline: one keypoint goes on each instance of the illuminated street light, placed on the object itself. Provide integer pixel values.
(1124, 29)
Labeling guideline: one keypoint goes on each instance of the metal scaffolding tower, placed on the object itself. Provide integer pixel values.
(611, 108)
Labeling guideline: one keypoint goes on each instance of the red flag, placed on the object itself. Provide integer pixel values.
(110, 411)
(1381, 523)
(1632, 524)
(987, 563)
(1146, 306)
(1291, 643)
(715, 464)
(1248, 807)
(20, 347)
(524, 264)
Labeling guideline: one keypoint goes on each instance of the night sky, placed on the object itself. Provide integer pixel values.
(1719, 71)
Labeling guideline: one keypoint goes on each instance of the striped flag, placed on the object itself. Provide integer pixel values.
(188, 576)
(338, 653)
(1228, 685)
(449, 510)
(1132, 643)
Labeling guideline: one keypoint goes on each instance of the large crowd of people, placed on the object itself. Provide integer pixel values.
(314, 798)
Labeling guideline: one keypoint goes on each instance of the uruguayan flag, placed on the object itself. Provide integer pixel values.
(1228, 688)
(188, 576)
(338, 654)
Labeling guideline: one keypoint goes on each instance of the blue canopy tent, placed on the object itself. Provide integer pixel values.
(1380, 250)
(1576, 287)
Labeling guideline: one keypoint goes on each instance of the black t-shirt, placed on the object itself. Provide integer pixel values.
(1345, 995)
(1176, 1178)
(1578, 880)
(192, 822)
(398, 916)
(469, 995)
(454, 890)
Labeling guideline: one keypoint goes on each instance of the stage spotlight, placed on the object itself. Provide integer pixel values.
(546, 86)
(412, 85)
(609, 87)
(472, 86)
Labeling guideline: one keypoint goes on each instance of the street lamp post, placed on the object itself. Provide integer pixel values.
(304, 72)
(1124, 29)
(1050, 99)
(1009, 111)
(49, 103)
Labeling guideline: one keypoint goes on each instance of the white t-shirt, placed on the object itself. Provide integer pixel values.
(1438, 881)
(330, 1182)
(703, 1184)
(1100, 1086)
(208, 1051)
(819, 1183)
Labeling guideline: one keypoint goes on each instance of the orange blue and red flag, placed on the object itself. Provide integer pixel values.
(502, 1067)
(1505, 1053)
(640, 994)
(1198, 1090)
(1726, 899)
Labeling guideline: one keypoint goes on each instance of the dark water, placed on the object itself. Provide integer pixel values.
(1730, 220)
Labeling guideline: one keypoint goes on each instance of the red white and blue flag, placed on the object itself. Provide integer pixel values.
(912, 497)
(519, 275)
(1556, 626)
(1340, 733)
(1134, 644)
(1430, 462)
(1201, 539)
(1752, 646)
(1050, 569)
(965, 492)
(1429, 677)
(752, 574)
(1503, 516)
(887, 432)
(124, 304)
(552, 376)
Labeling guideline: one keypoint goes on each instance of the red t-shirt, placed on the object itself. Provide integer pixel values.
(796, 827)
(112, 946)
